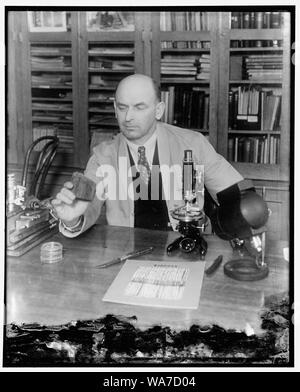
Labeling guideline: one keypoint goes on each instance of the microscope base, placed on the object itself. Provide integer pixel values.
(190, 240)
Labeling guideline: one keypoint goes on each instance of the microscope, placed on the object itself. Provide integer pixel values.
(239, 216)
(191, 217)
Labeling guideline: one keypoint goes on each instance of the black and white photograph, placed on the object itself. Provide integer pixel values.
(149, 189)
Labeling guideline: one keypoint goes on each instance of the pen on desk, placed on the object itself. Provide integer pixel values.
(215, 265)
(125, 257)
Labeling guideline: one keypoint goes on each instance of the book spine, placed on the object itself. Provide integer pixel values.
(230, 148)
(259, 25)
(275, 20)
(266, 20)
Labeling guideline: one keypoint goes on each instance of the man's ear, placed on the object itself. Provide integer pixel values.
(160, 108)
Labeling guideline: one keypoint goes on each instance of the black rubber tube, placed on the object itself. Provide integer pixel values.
(28, 153)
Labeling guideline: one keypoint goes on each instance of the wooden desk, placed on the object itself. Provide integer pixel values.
(72, 289)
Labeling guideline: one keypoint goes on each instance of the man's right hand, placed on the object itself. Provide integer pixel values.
(67, 208)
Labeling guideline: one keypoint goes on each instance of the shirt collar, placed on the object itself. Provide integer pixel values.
(149, 144)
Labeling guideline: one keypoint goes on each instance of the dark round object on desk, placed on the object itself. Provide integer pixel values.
(245, 270)
(254, 210)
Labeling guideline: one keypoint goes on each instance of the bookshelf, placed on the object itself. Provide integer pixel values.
(47, 85)
(186, 45)
(254, 93)
(109, 47)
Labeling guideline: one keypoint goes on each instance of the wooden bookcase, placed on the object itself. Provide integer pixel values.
(278, 170)
(106, 55)
(45, 101)
(90, 108)
(190, 36)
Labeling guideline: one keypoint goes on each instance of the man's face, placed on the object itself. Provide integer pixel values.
(136, 110)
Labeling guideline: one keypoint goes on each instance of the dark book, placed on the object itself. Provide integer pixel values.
(194, 108)
(230, 149)
(170, 118)
(234, 20)
(275, 20)
(240, 152)
(184, 111)
(206, 112)
(201, 108)
(252, 20)
(189, 106)
(235, 109)
(246, 20)
(173, 21)
(246, 149)
(176, 105)
(260, 155)
(241, 24)
(230, 110)
(266, 20)
(259, 19)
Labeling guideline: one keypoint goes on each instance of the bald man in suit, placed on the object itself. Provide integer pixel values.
(114, 165)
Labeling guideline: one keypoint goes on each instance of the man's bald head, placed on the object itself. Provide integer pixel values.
(138, 107)
(139, 82)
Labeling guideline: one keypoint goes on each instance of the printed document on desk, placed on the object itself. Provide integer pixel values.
(169, 284)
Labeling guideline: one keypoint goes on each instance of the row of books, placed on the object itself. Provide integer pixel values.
(110, 50)
(263, 67)
(186, 107)
(254, 149)
(265, 43)
(52, 106)
(104, 80)
(185, 21)
(102, 107)
(185, 45)
(55, 93)
(49, 63)
(62, 131)
(109, 120)
(187, 67)
(49, 79)
(256, 67)
(50, 50)
(256, 20)
(203, 67)
(253, 108)
(44, 115)
(98, 63)
(103, 96)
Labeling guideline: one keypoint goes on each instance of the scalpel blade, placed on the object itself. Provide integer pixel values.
(125, 257)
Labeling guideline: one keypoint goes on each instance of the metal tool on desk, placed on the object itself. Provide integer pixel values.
(125, 257)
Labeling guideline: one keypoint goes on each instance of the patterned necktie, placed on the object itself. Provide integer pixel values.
(143, 165)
